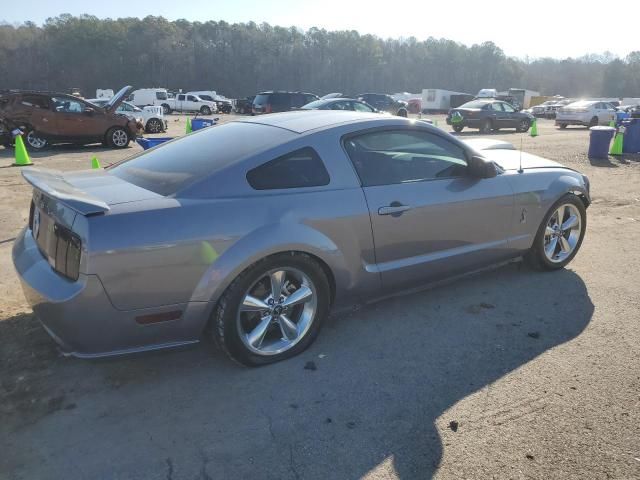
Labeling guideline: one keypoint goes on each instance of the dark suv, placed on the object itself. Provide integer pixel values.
(47, 118)
(271, 102)
(385, 103)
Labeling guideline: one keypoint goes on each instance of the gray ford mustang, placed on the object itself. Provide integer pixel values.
(250, 232)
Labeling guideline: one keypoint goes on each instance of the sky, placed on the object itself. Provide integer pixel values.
(524, 28)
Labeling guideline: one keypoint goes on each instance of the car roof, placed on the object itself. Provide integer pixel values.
(269, 92)
(307, 120)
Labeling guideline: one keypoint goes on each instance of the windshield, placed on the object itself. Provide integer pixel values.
(173, 166)
(473, 104)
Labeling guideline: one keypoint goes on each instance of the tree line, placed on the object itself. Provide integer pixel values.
(244, 58)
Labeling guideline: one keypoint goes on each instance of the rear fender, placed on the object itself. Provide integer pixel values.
(261, 243)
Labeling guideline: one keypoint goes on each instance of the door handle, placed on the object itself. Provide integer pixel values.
(395, 209)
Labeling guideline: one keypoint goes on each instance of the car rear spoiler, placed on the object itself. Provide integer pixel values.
(53, 184)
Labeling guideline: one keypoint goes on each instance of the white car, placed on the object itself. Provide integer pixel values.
(585, 112)
(151, 117)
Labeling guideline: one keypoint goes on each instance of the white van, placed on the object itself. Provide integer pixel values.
(151, 96)
(487, 93)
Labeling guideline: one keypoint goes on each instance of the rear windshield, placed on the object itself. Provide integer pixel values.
(473, 104)
(173, 166)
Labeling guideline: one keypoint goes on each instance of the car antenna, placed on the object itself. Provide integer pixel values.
(520, 168)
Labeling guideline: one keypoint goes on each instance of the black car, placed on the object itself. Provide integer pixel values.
(385, 103)
(487, 115)
(348, 104)
(244, 105)
(271, 102)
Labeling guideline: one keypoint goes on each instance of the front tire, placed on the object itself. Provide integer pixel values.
(154, 125)
(205, 110)
(457, 128)
(523, 126)
(273, 310)
(402, 113)
(560, 234)
(118, 137)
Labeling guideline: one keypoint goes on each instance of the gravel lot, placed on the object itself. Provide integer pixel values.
(510, 374)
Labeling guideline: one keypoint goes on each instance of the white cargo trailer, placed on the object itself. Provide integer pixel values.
(437, 100)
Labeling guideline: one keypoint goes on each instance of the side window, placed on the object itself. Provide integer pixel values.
(340, 106)
(399, 156)
(301, 168)
(508, 108)
(37, 101)
(361, 107)
(161, 96)
(191, 98)
(181, 98)
(66, 105)
(497, 107)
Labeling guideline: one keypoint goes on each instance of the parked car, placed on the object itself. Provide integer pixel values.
(487, 115)
(223, 105)
(551, 111)
(585, 112)
(244, 105)
(300, 213)
(48, 118)
(539, 111)
(385, 103)
(151, 118)
(272, 102)
(151, 96)
(188, 103)
(348, 104)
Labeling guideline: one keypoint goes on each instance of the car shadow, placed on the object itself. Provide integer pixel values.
(368, 393)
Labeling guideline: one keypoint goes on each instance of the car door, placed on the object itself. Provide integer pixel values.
(72, 121)
(511, 117)
(39, 111)
(608, 113)
(181, 102)
(192, 104)
(497, 115)
(429, 218)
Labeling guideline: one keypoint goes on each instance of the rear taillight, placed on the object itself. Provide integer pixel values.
(67, 252)
(267, 108)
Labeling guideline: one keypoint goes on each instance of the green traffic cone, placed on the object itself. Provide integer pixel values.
(612, 123)
(21, 155)
(534, 128)
(95, 163)
(188, 128)
(616, 148)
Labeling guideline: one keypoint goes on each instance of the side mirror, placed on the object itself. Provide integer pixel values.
(89, 111)
(480, 167)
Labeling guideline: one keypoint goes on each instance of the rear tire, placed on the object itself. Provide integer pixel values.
(231, 327)
(166, 109)
(536, 257)
(563, 126)
(593, 122)
(205, 110)
(118, 137)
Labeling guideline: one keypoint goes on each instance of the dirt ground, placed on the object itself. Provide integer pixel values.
(510, 374)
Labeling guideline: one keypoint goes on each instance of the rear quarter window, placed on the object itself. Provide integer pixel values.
(298, 169)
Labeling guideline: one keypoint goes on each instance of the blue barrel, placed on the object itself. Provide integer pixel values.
(200, 123)
(631, 142)
(599, 141)
(147, 143)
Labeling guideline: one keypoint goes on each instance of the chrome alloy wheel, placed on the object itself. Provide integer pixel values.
(562, 233)
(277, 311)
(120, 138)
(34, 141)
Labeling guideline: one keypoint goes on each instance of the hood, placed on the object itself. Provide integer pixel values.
(510, 159)
(115, 101)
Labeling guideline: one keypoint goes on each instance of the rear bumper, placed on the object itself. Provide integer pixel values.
(572, 120)
(81, 319)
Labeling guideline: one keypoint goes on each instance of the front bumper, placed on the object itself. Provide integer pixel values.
(80, 317)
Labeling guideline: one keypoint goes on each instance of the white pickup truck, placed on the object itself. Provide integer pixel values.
(184, 102)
